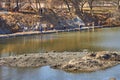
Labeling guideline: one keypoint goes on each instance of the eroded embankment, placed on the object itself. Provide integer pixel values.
(68, 61)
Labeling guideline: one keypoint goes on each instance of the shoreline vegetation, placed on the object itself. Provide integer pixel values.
(67, 61)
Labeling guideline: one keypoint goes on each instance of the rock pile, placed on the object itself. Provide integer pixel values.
(92, 62)
(68, 61)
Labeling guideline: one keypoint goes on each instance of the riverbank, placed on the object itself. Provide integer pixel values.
(20, 22)
(67, 61)
(25, 34)
(28, 33)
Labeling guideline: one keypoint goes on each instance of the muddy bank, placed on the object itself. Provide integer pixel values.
(68, 61)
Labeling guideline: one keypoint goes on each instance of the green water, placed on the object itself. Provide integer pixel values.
(97, 40)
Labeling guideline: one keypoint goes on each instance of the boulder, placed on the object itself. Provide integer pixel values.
(112, 79)
(103, 55)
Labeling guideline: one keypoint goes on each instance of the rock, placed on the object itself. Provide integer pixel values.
(114, 54)
(53, 51)
(2, 62)
(92, 55)
(14, 58)
(89, 56)
(44, 61)
(112, 79)
(67, 66)
(103, 55)
(98, 54)
(25, 55)
(56, 66)
(71, 61)
(86, 58)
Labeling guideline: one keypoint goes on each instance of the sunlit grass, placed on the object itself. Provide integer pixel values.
(100, 9)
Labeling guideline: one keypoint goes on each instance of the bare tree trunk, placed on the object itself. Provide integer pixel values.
(90, 2)
(16, 9)
(82, 5)
(118, 5)
(17, 3)
(37, 4)
(30, 2)
(68, 6)
(9, 4)
(76, 5)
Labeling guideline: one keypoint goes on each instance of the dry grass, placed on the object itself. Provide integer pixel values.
(101, 9)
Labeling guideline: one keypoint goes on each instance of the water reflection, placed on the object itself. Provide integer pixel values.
(46, 73)
(101, 39)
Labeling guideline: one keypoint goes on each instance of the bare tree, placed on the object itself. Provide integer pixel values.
(118, 5)
(9, 4)
(68, 6)
(17, 6)
(90, 2)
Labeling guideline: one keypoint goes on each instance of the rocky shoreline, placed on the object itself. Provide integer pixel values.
(67, 61)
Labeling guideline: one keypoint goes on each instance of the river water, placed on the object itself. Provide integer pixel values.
(97, 40)
(46, 73)
(100, 39)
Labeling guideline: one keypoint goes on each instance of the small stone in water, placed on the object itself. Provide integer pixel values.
(112, 79)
